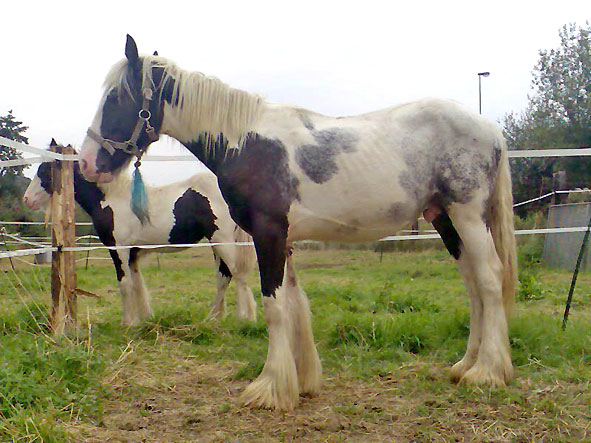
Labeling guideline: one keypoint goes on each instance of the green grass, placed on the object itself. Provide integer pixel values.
(44, 380)
(372, 321)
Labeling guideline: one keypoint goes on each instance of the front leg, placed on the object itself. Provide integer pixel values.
(277, 385)
(292, 364)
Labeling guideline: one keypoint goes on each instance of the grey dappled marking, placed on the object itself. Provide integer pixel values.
(318, 161)
(306, 122)
(454, 178)
(400, 211)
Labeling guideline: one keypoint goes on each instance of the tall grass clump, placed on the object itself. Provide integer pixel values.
(389, 300)
(411, 332)
(182, 323)
(537, 337)
(42, 377)
(530, 247)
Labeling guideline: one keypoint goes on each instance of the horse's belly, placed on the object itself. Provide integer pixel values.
(356, 225)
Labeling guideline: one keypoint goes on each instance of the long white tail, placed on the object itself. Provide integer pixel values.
(502, 229)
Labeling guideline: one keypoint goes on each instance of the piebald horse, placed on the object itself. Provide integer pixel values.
(291, 174)
(183, 212)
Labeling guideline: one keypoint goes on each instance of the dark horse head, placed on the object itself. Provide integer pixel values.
(128, 118)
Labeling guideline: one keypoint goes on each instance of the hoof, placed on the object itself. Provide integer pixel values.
(310, 374)
(250, 316)
(488, 376)
(266, 393)
(458, 370)
(215, 314)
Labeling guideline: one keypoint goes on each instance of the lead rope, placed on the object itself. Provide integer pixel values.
(139, 196)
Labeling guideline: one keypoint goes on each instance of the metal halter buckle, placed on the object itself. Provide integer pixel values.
(130, 146)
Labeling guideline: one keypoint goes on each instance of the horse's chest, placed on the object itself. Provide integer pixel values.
(258, 180)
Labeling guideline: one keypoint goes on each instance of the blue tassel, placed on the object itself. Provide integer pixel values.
(139, 197)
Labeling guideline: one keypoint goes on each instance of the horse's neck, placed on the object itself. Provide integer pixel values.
(87, 194)
(118, 189)
(197, 107)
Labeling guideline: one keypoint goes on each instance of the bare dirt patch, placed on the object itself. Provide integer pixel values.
(199, 402)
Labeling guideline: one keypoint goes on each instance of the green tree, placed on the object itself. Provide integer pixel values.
(12, 181)
(12, 129)
(558, 115)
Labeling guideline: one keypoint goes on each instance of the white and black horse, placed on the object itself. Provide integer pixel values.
(289, 174)
(180, 213)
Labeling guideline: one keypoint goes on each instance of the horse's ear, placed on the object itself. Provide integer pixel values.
(131, 52)
(156, 53)
(53, 142)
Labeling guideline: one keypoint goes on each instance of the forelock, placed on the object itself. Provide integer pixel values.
(118, 78)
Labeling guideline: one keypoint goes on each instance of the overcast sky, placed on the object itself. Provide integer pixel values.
(334, 57)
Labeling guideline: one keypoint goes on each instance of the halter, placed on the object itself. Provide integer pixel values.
(130, 146)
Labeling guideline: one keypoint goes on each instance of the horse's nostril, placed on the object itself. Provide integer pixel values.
(83, 164)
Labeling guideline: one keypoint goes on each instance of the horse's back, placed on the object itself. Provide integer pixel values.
(365, 176)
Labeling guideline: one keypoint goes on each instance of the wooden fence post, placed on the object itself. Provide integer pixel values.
(63, 266)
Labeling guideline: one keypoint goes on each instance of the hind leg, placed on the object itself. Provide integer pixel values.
(244, 261)
(488, 324)
(459, 369)
(131, 287)
(245, 304)
(306, 356)
(141, 296)
(223, 278)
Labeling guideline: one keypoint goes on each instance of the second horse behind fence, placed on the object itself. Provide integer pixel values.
(180, 213)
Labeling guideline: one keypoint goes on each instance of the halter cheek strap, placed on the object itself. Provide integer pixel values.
(130, 146)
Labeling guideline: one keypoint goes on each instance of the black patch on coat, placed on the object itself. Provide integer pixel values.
(224, 270)
(318, 161)
(442, 223)
(193, 217)
(259, 188)
(102, 219)
(134, 254)
(117, 263)
(44, 174)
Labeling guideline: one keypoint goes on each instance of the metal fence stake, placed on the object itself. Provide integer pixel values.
(575, 275)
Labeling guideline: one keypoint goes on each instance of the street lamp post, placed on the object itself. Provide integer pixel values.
(480, 75)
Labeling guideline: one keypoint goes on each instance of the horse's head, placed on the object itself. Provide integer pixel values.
(40, 189)
(127, 121)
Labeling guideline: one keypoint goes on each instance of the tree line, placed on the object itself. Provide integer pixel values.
(13, 183)
(558, 115)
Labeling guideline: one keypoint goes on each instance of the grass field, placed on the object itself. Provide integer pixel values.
(387, 332)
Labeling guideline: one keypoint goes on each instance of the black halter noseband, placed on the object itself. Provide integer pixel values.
(130, 146)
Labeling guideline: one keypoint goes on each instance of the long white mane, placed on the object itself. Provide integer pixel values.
(205, 104)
